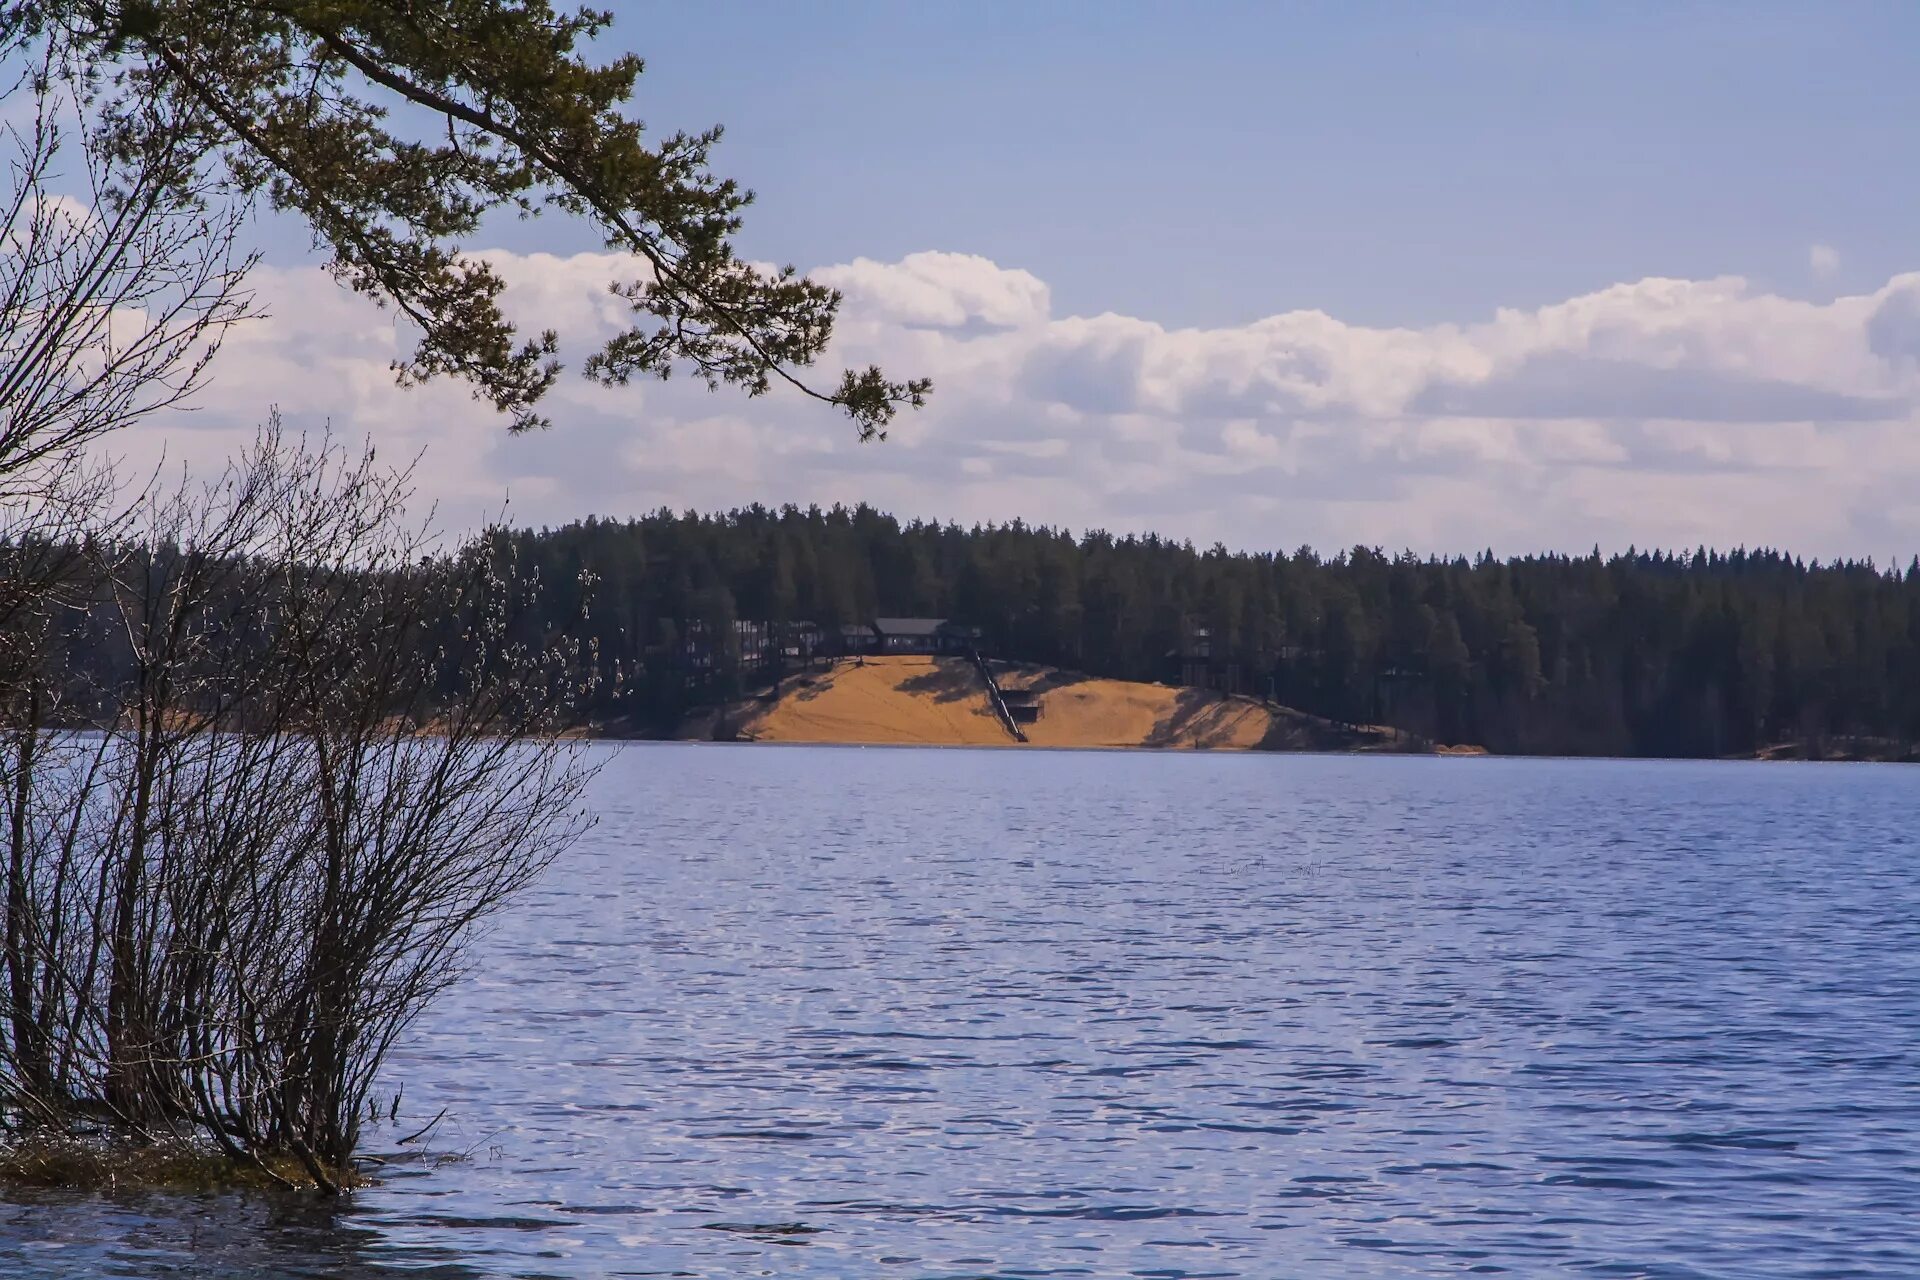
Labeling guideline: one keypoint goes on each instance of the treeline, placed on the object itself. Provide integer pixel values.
(1644, 653)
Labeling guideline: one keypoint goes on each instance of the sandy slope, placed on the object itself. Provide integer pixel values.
(943, 701)
(905, 700)
(1121, 713)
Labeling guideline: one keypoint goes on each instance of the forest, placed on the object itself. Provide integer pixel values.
(1643, 653)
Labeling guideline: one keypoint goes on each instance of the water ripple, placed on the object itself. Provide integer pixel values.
(828, 1013)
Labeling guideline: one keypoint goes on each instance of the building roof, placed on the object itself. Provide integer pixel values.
(909, 626)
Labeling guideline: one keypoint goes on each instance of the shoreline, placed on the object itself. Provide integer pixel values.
(931, 701)
(659, 740)
(946, 701)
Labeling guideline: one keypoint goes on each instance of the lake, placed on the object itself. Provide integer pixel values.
(833, 1012)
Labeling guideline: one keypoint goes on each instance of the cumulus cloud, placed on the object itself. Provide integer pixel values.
(1653, 412)
(1564, 384)
(943, 290)
(1893, 328)
(1824, 260)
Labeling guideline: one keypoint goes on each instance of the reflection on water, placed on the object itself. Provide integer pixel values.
(49, 1233)
(827, 1013)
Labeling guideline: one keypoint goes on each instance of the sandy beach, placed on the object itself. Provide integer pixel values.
(933, 701)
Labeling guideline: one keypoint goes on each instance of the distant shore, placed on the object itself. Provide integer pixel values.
(944, 701)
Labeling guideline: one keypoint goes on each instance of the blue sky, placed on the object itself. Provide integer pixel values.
(1210, 164)
(1432, 276)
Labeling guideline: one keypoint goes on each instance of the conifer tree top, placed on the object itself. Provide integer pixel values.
(394, 127)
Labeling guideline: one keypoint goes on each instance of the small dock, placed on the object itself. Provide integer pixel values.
(1023, 705)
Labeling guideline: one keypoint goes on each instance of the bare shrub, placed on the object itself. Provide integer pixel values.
(320, 757)
(266, 755)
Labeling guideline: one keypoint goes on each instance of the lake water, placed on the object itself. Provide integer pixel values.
(829, 1012)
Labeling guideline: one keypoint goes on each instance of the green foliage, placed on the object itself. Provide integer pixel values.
(394, 127)
(1637, 654)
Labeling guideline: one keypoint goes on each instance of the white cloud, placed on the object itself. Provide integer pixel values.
(940, 289)
(1824, 260)
(1655, 412)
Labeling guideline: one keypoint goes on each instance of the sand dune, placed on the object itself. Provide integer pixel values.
(943, 701)
(1084, 712)
(898, 699)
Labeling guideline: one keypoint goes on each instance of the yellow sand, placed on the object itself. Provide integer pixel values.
(900, 699)
(943, 702)
(1120, 713)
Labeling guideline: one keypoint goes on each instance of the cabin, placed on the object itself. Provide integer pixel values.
(857, 638)
(800, 641)
(1194, 657)
(748, 647)
(919, 635)
(1200, 663)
